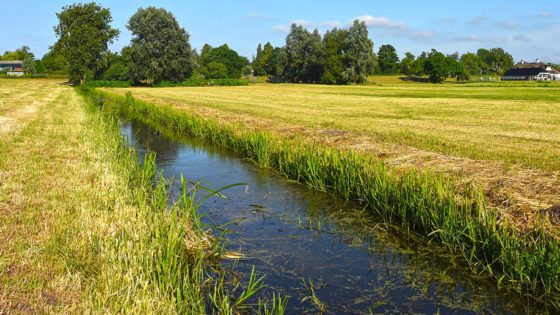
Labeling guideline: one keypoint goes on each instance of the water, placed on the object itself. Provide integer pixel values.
(293, 234)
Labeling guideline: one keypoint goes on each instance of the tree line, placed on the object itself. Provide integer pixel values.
(160, 50)
(334, 62)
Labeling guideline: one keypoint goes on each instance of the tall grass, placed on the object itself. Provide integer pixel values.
(157, 258)
(420, 201)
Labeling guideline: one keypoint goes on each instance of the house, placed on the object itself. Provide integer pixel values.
(532, 71)
(12, 67)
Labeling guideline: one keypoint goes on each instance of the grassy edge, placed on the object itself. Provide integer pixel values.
(144, 256)
(422, 201)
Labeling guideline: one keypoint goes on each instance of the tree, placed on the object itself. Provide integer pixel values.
(84, 34)
(261, 62)
(247, 71)
(359, 56)
(114, 67)
(304, 52)
(335, 44)
(496, 60)
(472, 64)
(259, 71)
(419, 65)
(388, 59)
(216, 70)
(407, 64)
(54, 61)
(11, 55)
(265, 58)
(39, 67)
(229, 58)
(29, 64)
(277, 62)
(159, 49)
(438, 66)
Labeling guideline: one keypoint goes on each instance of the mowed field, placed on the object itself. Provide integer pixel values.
(506, 137)
(77, 225)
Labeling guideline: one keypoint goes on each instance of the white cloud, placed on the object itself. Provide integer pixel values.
(286, 28)
(543, 14)
(382, 22)
(422, 35)
(521, 38)
(331, 24)
(281, 29)
(255, 15)
(507, 24)
(478, 39)
(477, 20)
(303, 23)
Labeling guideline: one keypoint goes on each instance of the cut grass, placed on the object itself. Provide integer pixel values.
(514, 124)
(83, 228)
(422, 201)
(469, 132)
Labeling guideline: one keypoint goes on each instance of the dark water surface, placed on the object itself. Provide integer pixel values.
(291, 233)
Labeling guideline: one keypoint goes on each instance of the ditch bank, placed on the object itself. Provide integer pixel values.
(418, 201)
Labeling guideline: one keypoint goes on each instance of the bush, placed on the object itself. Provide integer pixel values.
(216, 70)
(116, 72)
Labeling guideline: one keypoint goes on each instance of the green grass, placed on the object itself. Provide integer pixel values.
(421, 201)
(514, 124)
(84, 228)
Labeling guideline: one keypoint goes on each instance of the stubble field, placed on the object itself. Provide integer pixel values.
(504, 137)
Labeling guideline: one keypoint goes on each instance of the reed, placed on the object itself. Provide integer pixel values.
(421, 201)
(157, 258)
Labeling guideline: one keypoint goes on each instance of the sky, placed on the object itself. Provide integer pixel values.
(529, 30)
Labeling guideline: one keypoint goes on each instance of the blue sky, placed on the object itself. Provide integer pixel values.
(528, 29)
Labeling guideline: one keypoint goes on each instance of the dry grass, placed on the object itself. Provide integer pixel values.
(41, 182)
(505, 138)
(20, 100)
(83, 229)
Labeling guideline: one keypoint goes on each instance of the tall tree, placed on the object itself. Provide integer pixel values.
(29, 64)
(259, 70)
(159, 49)
(277, 62)
(265, 58)
(419, 65)
(84, 34)
(497, 60)
(359, 56)
(54, 61)
(211, 58)
(407, 64)
(335, 44)
(388, 59)
(304, 52)
(472, 63)
(438, 66)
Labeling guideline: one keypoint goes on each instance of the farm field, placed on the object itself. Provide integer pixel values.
(70, 196)
(505, 137)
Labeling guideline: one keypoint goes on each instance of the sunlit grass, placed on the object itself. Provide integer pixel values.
(515, 124)
(85, 230)
(456, 215)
